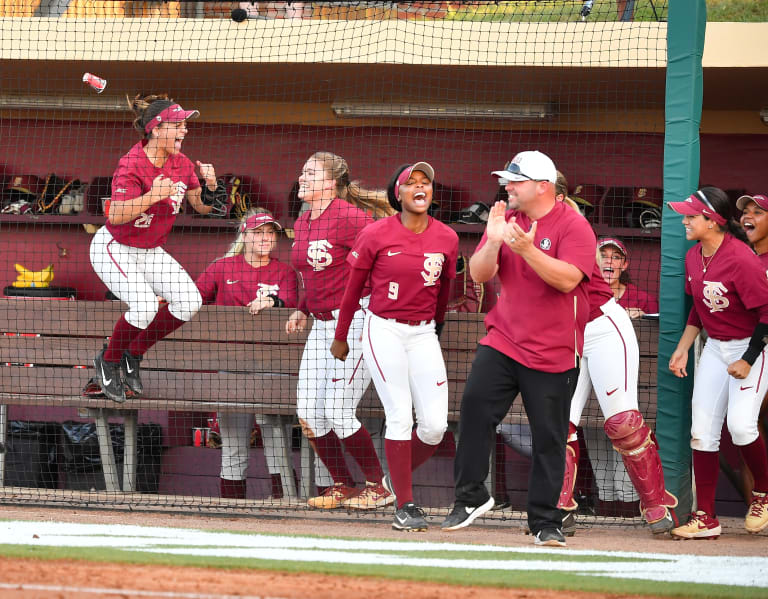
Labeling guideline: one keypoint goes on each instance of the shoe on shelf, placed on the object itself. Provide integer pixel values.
(699, 526)
(549, 537)
(463, 515)
(108, 377)
(130, 366)
(373, 496)
(332, 497)
(757, 515)
(569, 523)
(410, 518)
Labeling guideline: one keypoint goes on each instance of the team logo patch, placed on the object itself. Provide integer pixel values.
(545, 243)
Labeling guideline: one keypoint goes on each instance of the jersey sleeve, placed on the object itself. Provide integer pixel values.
(364, 250)
(289, 286)
(751, 284)
(207, 283)
(449, 269)
(578, 246)
(126, 185)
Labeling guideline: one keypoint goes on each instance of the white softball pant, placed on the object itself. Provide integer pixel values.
(407, 367)
(236, 430)
(138, 276)
(329, 390)
(716, 393)
(610, 364)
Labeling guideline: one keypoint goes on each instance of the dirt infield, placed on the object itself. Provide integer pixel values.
(74, 579)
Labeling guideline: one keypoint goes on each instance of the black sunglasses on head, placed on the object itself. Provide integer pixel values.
(514, 168)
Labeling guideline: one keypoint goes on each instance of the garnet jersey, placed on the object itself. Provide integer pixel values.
(319, 253)
(764, 262)
(407, 268)
(637, 298)
(133, 178)
(732, 295)
(532, 322)
(233, 282)
(598, 291)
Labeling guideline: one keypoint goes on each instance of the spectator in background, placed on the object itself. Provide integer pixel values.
(247, 276)
(614, 261)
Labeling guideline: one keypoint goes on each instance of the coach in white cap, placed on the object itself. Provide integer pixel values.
(542, 251)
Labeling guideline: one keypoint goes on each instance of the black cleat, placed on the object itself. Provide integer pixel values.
(463, 515)
(108, 377)
(130, 366)
(410, 518)
(549, 537)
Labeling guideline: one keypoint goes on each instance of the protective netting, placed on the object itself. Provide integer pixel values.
(463, 86)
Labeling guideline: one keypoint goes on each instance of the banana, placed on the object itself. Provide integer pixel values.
(30, 278)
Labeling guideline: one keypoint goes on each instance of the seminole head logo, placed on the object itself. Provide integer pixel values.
(318, 255)
(433, 268)
(714, 296)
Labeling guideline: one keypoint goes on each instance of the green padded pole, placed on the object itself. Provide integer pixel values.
(685, 46)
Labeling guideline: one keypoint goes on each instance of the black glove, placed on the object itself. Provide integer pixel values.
(217, 199)
(439, 326)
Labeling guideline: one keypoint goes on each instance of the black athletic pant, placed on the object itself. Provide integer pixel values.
(492, 386)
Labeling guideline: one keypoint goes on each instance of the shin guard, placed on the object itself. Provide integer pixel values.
(566, 501)
(632, 438)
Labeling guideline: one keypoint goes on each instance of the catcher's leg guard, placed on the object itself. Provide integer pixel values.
(566, 501)
(632, 438)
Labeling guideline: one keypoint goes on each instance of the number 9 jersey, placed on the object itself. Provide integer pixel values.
(407, 269)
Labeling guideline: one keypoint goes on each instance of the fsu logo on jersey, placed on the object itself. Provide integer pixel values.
(433, 268)
(178, 196)
(265, 290)
(318, 256)
(714, 296)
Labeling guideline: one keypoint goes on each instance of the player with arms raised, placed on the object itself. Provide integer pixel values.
(730, 300)
(410, 258)
(148, 188)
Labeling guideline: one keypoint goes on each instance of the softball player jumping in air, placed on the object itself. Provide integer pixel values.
(409, 258)
(247, 276)
(328, 390)
(148, 189)
(730, 300)
(610, 364)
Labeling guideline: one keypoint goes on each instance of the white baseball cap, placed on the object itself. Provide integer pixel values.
(528, 166)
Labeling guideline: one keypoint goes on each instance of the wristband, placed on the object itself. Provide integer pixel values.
(756, 343)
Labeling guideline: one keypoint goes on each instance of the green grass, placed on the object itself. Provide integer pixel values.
(466, 577)
(737, 10)
(602, 10)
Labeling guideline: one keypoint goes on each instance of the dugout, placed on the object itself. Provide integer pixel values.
(270, 94)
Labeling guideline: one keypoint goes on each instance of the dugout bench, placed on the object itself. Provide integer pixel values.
(223, 360)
